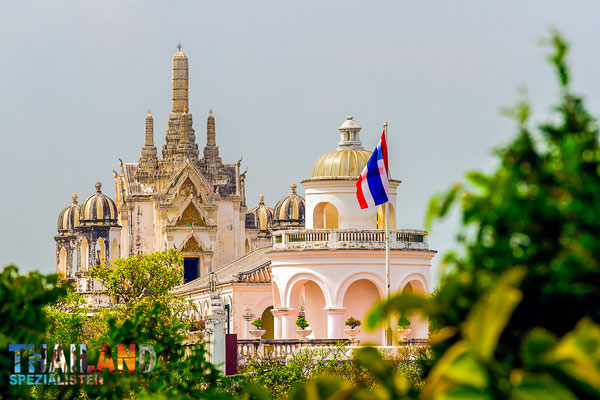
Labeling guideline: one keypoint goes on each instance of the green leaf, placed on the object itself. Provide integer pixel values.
(458, 367)
(538, 387)
(478, 179)
(489, 315)
(578, 355)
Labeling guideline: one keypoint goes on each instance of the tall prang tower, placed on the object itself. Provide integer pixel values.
(181, 200)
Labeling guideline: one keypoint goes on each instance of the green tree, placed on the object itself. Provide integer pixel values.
(22, 318)
(141, 275)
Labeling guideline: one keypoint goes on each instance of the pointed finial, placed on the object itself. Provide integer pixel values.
(349, 117)
(184, 110)
(98, 187)
(74, 198)
(179, 46)
(293, 186)
(210, 111)
(261, 199)
(149, 112)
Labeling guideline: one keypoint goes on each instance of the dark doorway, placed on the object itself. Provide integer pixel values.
(190, 269)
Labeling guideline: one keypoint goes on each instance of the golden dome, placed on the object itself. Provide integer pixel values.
(341, 163)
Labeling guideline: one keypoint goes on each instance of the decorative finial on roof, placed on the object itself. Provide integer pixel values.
(210, 111)
(184, 110)
(98, 187)
(261, 199)
(149, 112)
(74, 198)
(179, 46)
(293, 186)
(349, 117)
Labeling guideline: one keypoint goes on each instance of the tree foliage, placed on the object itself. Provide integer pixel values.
(22, 319)
(141, 275)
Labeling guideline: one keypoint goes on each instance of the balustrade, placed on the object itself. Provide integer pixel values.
(346, 238)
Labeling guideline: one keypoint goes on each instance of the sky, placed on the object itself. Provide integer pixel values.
(76, 80)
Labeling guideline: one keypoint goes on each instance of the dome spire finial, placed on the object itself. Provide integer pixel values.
(178, 46)
(261, 199)
(98, 187)
(349, 132)
(293, 186)
(74, 198)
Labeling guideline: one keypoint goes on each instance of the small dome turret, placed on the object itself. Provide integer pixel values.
(260, 217)
(68, 219)
(289, 211)
(98, 209)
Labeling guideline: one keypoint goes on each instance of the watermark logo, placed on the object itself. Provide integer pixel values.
(69, 365)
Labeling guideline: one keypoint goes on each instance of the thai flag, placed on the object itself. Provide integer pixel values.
(372, 184)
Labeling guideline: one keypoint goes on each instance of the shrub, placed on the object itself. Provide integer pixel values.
(353, 322)
(403, 322)
(257, 323)
(301, 323)
(197, 325)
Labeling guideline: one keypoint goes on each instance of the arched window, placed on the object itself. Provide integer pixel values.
(85, 255)
(381, 217)
(101, 252)
(74, 260)
(114, 252)
(325, 216)
(62, 262)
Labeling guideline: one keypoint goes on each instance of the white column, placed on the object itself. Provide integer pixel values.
(288, 323)
(335, 322)
(276, 323)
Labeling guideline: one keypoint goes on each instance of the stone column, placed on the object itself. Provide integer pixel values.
(215, 328)
(335, 322)
(277, 323)
(288, 322)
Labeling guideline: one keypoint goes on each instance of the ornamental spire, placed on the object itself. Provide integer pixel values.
(180, 83)
(349, 132)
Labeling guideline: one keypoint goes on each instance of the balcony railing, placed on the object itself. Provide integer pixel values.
(402, 239)
(248, 349)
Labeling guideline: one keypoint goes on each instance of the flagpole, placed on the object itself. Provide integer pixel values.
(388, 328)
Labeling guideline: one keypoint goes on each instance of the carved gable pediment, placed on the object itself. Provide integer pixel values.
(190, 217)
(188, 182)
(192, 214)
(192, 245)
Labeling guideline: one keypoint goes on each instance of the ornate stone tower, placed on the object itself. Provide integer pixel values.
(180, 139)
(194, 205)
(148, 162)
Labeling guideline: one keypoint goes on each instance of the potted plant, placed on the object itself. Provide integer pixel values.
(258, 330)
(403, 324)
(196, 330)
(304, 331)
(353, 327)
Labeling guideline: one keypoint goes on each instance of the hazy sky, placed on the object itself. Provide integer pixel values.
(76, 79)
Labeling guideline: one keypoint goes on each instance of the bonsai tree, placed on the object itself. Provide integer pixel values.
(403, 322)
(257, 323)
(301, 323)
(353, 322)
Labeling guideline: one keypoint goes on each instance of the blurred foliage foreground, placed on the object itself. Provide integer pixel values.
(516, 315)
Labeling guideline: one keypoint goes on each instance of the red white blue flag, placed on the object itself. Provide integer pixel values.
(372, 184)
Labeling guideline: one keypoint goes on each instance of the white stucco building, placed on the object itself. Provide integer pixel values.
(319, 254)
